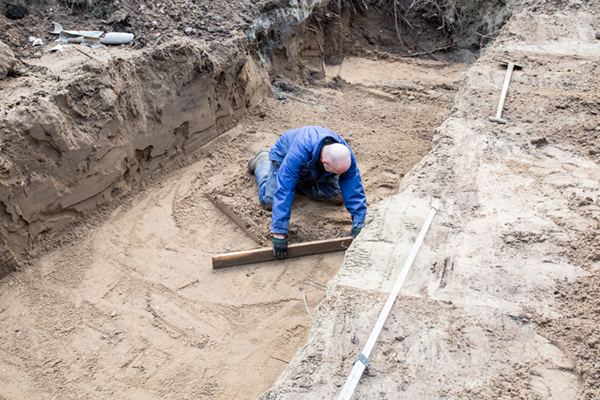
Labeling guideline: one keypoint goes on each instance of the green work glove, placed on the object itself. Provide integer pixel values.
(280, 247)
(354, 232)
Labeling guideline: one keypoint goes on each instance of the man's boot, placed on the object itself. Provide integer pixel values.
(262, 155)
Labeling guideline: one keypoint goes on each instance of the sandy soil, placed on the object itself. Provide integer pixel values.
(358, 113)
(124, 302)
(501, 302)
(132, 308)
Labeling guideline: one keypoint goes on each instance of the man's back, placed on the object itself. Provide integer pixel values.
(305, 139)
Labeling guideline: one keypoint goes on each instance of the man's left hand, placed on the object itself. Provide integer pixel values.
(354, 232)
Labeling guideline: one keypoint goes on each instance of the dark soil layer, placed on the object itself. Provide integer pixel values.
(423, 29)
(152, 22)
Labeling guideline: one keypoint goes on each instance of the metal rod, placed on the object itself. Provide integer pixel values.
(359, 364)
(313, 281)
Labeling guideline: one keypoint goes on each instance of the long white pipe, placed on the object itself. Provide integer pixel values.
(362, 361)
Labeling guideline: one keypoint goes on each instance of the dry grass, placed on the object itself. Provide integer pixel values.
(442, 14)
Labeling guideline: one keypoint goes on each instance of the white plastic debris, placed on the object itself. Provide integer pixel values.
(35, 41)
(68, 38)
(93, 42)
(77, 36)
(56, 28)
(90, 38)
(117, 38)
(58, 47)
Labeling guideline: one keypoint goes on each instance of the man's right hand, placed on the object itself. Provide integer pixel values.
(280, 247)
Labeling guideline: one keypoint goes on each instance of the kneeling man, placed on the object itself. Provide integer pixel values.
(317, 163)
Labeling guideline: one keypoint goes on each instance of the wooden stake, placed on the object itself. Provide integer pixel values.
(294, 250)
(234, 217)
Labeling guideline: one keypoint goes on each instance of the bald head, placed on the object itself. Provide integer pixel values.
(336, 158)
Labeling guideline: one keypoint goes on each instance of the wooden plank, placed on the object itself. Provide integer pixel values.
(234, 217)
(294, 250)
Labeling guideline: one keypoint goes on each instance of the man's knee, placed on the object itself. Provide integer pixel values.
(267, 203)
(338, 199)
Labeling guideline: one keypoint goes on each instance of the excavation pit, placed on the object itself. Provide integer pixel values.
(115, 297)
(137, 297)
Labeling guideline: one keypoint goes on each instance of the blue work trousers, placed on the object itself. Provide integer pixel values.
(327, 188)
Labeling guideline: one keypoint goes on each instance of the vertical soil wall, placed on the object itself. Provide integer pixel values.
(85, 140)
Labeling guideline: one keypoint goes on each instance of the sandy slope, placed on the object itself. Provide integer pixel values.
(501, 302)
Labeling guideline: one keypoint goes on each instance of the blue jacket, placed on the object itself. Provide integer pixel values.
(297, 152)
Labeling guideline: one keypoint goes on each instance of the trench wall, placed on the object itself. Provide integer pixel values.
(68, 152)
